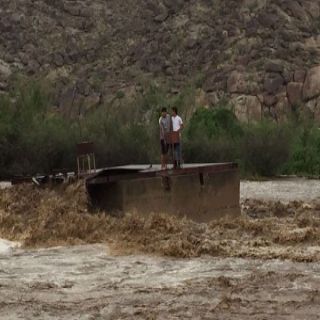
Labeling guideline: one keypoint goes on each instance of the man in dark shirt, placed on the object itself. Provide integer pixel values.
(165, 127)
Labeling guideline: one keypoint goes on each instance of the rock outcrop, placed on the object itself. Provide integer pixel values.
(262, 55)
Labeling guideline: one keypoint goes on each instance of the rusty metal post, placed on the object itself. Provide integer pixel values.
(85, 155)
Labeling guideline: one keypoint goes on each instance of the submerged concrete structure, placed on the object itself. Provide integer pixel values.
(200, 192)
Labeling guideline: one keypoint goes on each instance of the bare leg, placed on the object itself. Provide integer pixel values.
(163, 162)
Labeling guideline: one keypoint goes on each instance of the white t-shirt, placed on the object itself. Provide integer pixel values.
(176, 123)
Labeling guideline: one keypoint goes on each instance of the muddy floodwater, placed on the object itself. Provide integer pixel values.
(92, 282)
(283, 189)
(85, 282)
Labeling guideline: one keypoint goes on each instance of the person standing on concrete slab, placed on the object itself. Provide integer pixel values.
(165, 128)
(177, 126)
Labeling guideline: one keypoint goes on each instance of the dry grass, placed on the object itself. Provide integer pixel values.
(50, 217)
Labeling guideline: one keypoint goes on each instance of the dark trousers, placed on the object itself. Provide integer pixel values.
(177, 154)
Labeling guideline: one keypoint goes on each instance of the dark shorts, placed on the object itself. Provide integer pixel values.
(164, 147)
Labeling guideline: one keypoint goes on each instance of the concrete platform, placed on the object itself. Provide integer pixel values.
(201, 192)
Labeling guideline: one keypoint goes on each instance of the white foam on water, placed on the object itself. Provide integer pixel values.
(6, 246)
(5, 184)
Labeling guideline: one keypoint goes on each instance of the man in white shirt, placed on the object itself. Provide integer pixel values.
(177, 126)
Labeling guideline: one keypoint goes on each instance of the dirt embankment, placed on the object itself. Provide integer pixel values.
(46, 217)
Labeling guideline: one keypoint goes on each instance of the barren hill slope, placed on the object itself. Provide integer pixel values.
(262, 55)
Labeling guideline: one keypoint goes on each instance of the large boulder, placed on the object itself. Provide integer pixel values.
(316, 113)
(256, 4)
(312, 107)
(294, 91)
(299, 76)
(236, 82)
(243, 83)
(269, 100)
(274, 66)
(247, 108)
(273, 83)
(283, 109)
(5, 70)
(311, 88)
(91, 102)
(297, 10)
(313, 8)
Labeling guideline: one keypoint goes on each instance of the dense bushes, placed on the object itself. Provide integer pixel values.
(33, 139)
(214, 122)
(212, 136)
(36, 139)
(305, 151)
(265, 148)
(216, 135)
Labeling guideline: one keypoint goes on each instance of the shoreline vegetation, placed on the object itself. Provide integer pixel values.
(36, 138)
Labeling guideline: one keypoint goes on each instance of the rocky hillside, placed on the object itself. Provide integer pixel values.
(262, 55)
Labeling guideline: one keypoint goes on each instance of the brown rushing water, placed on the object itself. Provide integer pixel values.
(86, 282)
(263, 265)
(282, 189)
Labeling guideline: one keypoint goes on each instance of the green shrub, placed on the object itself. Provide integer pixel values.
(213, 123)
(306, 152)
(208, 150)
(212, 136)
(121, 135)
(265, 148)
(34, 139)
